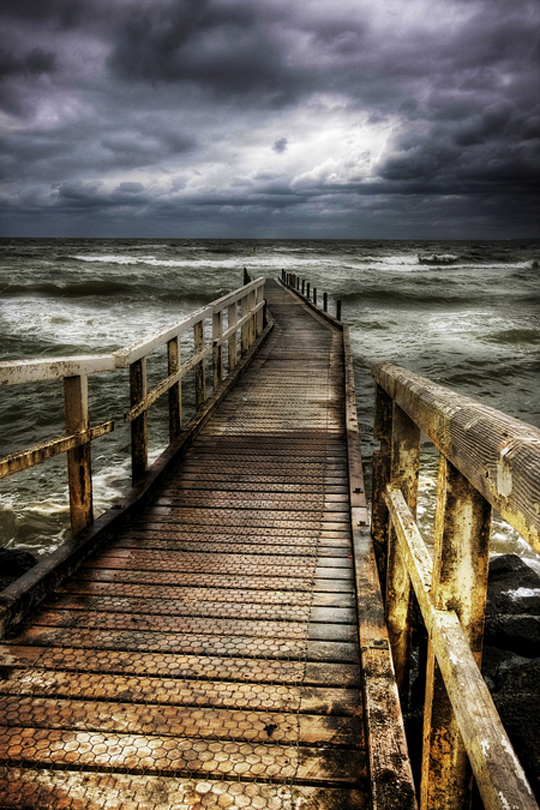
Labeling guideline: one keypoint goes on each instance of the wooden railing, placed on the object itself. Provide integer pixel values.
(487, 459)
(236, 317)
(308, 292)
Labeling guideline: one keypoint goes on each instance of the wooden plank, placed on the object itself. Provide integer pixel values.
(144, 689)
(45, 788)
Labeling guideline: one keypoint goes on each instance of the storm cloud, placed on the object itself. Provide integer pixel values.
(364, 118)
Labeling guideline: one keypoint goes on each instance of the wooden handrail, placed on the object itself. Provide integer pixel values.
(486, 459)
(75, 371)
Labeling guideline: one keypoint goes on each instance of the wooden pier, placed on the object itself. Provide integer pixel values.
(220, 640)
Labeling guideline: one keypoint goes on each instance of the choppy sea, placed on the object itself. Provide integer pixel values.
(465, 314)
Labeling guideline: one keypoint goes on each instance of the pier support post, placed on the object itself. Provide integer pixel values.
(139, 426)
(338, 309)
(244, 330)
(79, 458)
(382, 432)
(200, 368)
(325, 302)
(460, 575)
(175, 392)
(404, 467)
(232, 350)
(217, 352)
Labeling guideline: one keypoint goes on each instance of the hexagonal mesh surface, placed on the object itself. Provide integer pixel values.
(208, 656)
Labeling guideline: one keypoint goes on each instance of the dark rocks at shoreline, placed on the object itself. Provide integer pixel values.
(13, 564)
(511, 657)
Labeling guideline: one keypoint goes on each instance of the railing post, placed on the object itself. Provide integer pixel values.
(259, 317)
(244, 330)
(303, 286)
(338, 309)
(79, 458)
(200, 368)
(382, 432)
(404, 466)
(308, 291)
(325, 302)
(460, 574)
(139, 426)
(315, 295)
(175, 392)
(217, 353)
(253, 320)
(232, 351)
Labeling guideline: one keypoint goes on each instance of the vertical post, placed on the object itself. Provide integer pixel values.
(404, 468)
(325, 301)
(308, 292)
(244, 330)
(384, 414)
(460, 574)
(232, 320)
(217, 352)
(259, 318)
(253, 320)
(78, 459)
(139, 426)
(247, 277)
(303, 286)
(315, 295)
(175, 392)
(338, 309)
(200, 368)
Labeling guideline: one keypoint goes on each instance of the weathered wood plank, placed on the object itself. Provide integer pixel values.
(499, 455)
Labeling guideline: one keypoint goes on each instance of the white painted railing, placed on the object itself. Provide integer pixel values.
(236, 318)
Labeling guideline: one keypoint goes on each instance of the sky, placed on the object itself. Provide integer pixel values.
(360, 119)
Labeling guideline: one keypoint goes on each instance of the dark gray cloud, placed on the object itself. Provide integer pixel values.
(397, 115)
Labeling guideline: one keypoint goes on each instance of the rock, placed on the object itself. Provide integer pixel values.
(511, 657)
(13, 564)
(513, 607)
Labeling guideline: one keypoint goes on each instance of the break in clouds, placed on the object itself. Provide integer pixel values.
(357, 118)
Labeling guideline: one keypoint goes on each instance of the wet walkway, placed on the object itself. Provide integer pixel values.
(209, 656)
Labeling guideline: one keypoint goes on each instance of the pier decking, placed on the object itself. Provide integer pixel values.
(209, 655)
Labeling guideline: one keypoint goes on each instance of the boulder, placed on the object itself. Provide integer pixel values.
(13, 564)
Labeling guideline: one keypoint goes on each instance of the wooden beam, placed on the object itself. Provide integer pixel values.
(404, 466)
(79, 457)
(25, 459)
(232, 349)
(460, 575)
(499, 455)
(139, 425)
(175, 391)
(200, 367)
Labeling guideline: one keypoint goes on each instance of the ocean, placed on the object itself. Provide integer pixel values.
(464, 314)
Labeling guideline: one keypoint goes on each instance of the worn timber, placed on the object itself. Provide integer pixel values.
(203, 648)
